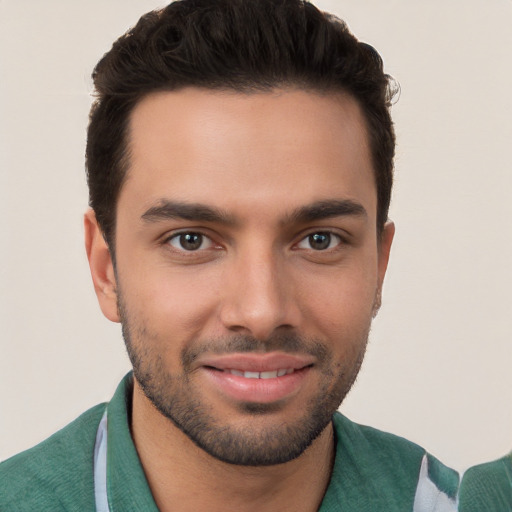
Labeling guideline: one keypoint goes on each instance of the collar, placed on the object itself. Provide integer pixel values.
(126, 484)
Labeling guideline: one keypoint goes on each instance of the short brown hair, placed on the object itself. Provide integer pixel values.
(240, 45)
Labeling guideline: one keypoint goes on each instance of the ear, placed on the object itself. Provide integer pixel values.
(102, 268)
(384, 247)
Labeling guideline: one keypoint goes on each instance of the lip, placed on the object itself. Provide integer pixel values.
(216, 369)
(253, 362)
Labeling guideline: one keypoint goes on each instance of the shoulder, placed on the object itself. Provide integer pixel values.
(487, 487)
(57, 474)
(391, 469)
(390, 450)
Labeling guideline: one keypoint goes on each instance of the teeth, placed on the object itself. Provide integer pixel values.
(262, 375)
(268, 375)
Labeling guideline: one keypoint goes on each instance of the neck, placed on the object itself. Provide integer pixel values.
(183, 477)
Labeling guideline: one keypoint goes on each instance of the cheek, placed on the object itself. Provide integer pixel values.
(177, 303)
(340, 305)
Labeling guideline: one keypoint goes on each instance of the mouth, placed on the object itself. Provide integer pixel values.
(257, 378)
(271, 374)
(262, 375)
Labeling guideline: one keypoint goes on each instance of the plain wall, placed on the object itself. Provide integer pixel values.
(438, 369)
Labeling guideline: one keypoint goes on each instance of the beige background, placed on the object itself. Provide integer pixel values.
(438, 369)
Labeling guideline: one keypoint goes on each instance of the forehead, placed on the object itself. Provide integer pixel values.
(286, 147)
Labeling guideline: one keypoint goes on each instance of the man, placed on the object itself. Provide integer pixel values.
(239, 164)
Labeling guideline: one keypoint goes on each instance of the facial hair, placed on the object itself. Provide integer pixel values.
(177, 398)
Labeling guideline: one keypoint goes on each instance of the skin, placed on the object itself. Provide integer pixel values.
(265, 161)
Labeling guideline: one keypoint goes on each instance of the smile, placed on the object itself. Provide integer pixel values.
(256, 378)
(261, 375)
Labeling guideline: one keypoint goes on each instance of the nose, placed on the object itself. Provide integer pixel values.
(258, 297)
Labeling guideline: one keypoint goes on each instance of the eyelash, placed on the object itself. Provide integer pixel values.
(331, 236)
(177, 237)
(340, 240)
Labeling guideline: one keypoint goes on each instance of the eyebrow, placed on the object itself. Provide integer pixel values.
(197, 212)
(166, 210)
(327, 209)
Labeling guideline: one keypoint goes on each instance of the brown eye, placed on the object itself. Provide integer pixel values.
(189, 241)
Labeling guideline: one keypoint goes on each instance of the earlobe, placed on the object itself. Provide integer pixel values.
(101, 266)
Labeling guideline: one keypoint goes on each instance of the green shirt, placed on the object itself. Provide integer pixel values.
(373, 471)
(487, 487)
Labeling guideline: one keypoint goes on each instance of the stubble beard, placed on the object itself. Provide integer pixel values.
(175, 397)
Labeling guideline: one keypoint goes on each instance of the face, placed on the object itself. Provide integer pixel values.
(248, 266)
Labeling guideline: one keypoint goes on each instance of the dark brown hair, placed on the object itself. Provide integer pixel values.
(240, 45)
